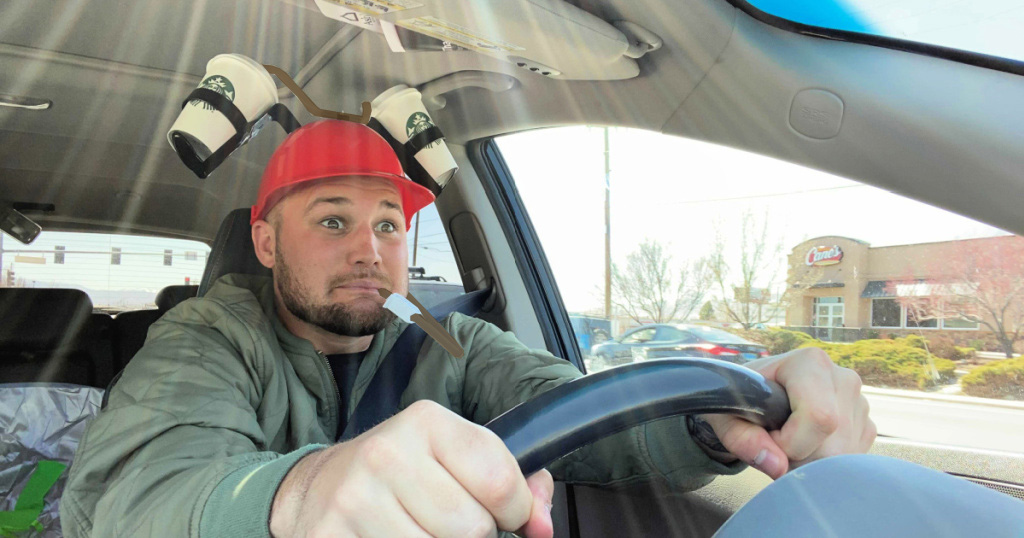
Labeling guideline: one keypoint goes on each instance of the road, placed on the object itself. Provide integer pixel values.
(947, 422)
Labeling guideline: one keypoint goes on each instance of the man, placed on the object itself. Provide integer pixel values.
(225, 422)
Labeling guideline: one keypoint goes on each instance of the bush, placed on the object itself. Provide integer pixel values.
(891, 363)
(945, 348)
(1003, 379)
(778, 341)
(977, 344)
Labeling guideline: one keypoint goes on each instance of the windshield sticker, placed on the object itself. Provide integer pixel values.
(334, 9)
(378, 7)
(459, 35)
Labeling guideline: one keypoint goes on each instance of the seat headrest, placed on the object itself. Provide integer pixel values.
(170, 296)
(38, 320)
(232, 251)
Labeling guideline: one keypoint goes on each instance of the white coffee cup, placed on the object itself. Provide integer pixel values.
(242, 80)
(400, 110)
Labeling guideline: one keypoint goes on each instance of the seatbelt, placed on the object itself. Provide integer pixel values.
(384, 393)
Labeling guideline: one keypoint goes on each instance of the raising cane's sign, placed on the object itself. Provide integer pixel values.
(824, 255)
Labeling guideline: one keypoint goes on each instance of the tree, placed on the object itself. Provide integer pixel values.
(747, 296)
(707, 311)
(979, 281)
(649, 289)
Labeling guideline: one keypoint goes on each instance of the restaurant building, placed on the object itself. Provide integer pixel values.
(843, 289)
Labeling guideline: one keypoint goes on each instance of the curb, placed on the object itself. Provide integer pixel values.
(967, 400)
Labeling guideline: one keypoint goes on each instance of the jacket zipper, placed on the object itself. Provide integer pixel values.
(337, 393)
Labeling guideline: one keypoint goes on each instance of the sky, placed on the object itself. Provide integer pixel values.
(680, 191)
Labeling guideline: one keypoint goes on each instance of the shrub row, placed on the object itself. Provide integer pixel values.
(1003, 379)
(900, 362)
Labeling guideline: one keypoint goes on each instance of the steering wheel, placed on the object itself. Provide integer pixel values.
(584, 410)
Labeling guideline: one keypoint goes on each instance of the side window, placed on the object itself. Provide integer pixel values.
(777, 255)
(669, 334)
(639, 337)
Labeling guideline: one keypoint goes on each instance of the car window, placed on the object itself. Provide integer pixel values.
(745, 247)
(118, 272)
(429, 247)
(677, 335)
(639, 336)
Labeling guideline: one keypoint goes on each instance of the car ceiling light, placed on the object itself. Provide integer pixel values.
(30, 103)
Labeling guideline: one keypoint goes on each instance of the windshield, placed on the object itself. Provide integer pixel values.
(984, 26)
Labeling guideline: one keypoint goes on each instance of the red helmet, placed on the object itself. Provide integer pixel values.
(332, 148)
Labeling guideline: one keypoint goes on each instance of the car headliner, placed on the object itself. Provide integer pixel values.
(945, 133)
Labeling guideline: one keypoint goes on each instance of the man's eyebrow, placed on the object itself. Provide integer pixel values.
(336, 200)
(341, 200)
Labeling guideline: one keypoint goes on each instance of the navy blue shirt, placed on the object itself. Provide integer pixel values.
(345, 367)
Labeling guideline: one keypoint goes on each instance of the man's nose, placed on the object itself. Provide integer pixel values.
(363, 246)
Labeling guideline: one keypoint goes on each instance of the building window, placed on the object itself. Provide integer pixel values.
(955, 309)
(58, 254)
(190, 256)
(115, 256)
(914, 323)
(885, 313)
(959, 324)
(167, 257)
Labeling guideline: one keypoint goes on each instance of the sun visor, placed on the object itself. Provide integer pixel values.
(549, 38)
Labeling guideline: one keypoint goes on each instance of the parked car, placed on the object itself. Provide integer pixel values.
(659, 341)
(432, 290)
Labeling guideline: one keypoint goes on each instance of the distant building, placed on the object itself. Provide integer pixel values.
(843, 289)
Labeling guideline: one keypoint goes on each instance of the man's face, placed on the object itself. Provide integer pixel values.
(336, 242)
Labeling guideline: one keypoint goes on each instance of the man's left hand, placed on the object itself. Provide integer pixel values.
(830, 416)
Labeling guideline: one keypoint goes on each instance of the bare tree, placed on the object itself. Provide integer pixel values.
(978, 282)
(651, 287)
(747, 289)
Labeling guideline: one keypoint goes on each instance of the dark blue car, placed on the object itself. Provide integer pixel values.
(659, 341)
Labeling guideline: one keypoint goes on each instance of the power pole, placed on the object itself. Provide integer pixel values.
(607, 229)
(416, 239)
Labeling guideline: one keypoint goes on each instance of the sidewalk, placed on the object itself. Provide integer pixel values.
(947, 398)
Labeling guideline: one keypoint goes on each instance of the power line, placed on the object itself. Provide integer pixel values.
(754, 196)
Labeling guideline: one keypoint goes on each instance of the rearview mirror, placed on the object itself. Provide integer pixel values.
(18, 226)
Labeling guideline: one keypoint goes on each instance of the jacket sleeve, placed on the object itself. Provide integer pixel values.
(178, 451)
(501, 372)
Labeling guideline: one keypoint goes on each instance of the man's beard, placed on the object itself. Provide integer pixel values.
(340, 319)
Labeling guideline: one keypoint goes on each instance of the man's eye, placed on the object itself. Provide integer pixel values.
(387, 227)
(332, 223)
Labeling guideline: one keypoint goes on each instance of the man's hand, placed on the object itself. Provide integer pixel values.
(424, 472)
(830, 416)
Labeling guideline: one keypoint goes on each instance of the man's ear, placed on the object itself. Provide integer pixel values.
(263, 239)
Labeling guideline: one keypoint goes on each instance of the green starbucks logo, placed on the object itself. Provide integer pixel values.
(219, 84)
(419, 122)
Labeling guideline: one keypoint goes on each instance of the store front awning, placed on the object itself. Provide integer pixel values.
(877, 289)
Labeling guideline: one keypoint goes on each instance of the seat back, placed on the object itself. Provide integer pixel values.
(130, 328)
(232, 251)
(51, 335)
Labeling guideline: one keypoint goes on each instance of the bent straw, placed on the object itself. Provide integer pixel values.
(311, 106)
(430, 325)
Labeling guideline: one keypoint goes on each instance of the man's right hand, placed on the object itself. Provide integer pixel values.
(424, 472)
